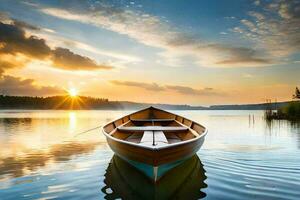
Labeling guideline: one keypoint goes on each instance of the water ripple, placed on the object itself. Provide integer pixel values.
(238, 160)
(235, 178)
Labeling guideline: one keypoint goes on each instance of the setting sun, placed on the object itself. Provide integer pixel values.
(73, 92)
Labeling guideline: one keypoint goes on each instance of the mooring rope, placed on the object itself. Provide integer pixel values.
(87, 131)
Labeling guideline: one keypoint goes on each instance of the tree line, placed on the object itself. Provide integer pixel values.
(56, 102)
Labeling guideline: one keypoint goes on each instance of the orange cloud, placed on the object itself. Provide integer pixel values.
(14, 42)
(10, 85)
(177, 88)
(65, 59)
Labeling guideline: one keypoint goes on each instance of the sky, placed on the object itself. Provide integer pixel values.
(178, 52)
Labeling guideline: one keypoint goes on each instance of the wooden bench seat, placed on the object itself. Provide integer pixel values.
(159, 137)
(152, 120)
(153, 128)
(147, 136)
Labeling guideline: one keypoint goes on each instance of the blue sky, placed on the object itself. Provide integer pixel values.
(200, 52)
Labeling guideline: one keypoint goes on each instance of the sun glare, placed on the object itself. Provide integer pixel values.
(73, 92)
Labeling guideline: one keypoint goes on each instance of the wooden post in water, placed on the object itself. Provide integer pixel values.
(249, 120)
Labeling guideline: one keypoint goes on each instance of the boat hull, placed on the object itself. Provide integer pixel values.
(154, 173)
(155, 157)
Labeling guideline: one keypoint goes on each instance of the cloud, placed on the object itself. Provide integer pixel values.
(113, 54)
(163, 88)
(241, 56)
(25, 25)
(152, 31)
(10, 85)
(14, 41)
(65, 59)
(17, 49)
(147, 86)
(144, 28)
(8, 61)
(275, 29)
(4, 17)
(289, 9)
(257, 2)
(191, 91)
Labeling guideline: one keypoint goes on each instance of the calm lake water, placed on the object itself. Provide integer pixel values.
(42, 156)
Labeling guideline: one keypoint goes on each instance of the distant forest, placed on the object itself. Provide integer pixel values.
(78, 103)
(54, 102)
(89, 103)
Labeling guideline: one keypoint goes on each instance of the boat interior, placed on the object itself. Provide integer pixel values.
(154, 127)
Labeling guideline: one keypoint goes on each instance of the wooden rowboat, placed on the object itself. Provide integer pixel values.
(154, 137)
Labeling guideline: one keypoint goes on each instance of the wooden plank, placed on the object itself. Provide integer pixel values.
(152, 120)
(135, 138)
(160, 137)
(147, 137)
(152, 128)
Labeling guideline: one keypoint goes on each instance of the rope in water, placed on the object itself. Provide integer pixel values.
(87, 131)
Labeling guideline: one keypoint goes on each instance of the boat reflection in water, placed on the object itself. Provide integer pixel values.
(183, 181)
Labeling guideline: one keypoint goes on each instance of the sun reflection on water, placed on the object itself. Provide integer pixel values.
(72, 121)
